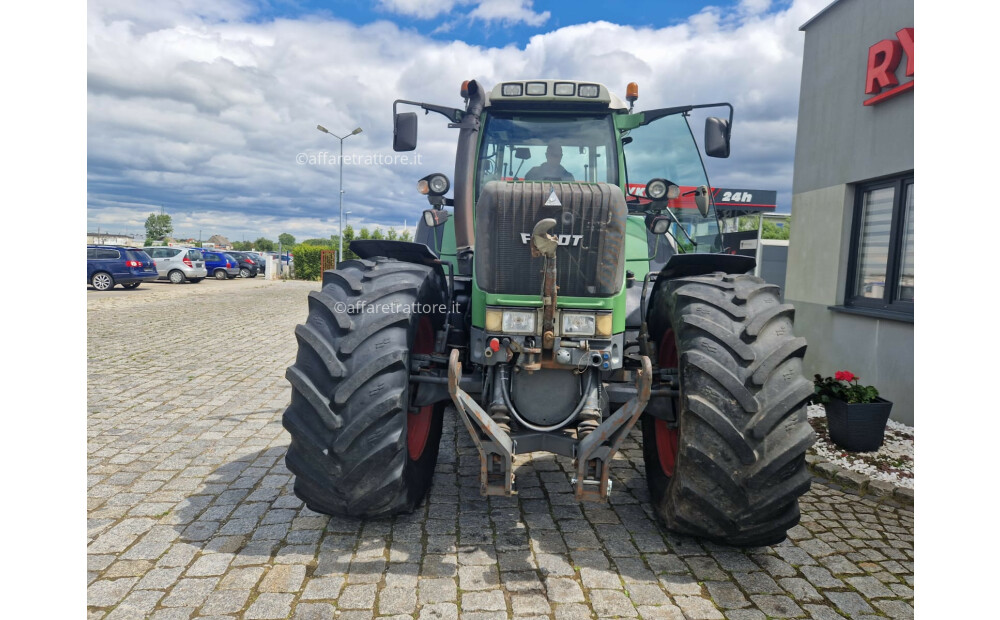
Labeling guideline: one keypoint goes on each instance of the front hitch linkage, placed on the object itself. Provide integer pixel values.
(593, 453)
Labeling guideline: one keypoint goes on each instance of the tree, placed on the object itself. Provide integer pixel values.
(263, 244)
(364, 234)
(405, 236)
(391, 234)
(377, 233)
(286, 240)
(348, 238)
(158, 226)
(317, 242)
(771, 230)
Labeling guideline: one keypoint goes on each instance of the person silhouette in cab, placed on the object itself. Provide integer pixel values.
(551, 170)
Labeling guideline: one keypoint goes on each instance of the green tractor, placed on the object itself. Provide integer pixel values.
(579, 285)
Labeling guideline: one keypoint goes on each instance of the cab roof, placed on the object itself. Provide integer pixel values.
(565, 93)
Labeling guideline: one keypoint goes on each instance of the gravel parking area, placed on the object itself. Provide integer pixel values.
(191, 511)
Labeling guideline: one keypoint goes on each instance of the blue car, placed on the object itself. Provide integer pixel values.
(220, 265)
(108, 265)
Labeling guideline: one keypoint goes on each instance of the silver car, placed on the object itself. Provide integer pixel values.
(178, 264)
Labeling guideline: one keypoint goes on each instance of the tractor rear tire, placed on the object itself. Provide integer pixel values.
(358, 448)
(734, 468)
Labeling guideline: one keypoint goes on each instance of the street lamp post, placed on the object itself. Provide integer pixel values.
(340, 246)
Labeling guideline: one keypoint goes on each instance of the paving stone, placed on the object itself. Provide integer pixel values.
(757, 583)
(313, 611)
(646, 594)
(483, 601)
(725, 594)
(107, 592)
(660, 612)
(800, 590)
(397, 600)
(818, 612)
(745, 614)
(242, 578)
(283, 578)
(325, 588)
(611, 604)
(697, 608)
(530, 603)
(895, 609)
(225, 602)
(270, 605)
(850, 603)
(562, 590)
(478, 577)
(777, 606)
(821, 577)
(360, 596)
(209, 565)
(680, 585)
(138, 604)
(439, 611)
(869, 587)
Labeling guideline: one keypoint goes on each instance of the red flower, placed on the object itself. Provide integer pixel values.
(845, 375)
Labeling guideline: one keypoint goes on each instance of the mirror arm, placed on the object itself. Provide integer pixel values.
(680, 227)
(652, 115)
(454, 115)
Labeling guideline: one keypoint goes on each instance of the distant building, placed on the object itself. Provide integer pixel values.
(851, 267)
(112, 239)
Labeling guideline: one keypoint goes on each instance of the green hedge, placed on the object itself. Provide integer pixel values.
(306, 264)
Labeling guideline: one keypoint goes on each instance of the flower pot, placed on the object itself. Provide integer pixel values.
(858, 427)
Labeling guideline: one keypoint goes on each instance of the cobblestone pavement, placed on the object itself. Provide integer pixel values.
(191, 511)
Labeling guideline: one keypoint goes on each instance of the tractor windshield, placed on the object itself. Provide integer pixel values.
(531, 147)
(666, 149)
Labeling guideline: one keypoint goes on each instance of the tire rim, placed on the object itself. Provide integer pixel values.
(102, 282)
(418, 422)
(244, 273)
(220, 275)
(667, 439)
(176, 277)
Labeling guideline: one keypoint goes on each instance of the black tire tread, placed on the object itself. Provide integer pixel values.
(348, 412)
(743, 431)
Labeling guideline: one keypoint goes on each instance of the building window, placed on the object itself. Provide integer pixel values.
(880, 270)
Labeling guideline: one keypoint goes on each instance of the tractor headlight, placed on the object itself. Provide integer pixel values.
(518, 322)
(578, 324)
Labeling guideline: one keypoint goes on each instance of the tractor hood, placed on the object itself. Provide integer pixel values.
(590, 231)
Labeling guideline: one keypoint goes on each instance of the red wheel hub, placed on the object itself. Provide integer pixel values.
(418, 421)
(667, 438)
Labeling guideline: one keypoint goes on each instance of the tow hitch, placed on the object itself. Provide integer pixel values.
(592, 455)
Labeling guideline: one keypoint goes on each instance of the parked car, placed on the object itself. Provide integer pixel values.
(108, 265)
(248, 264)
(220, 265)
(179, 264)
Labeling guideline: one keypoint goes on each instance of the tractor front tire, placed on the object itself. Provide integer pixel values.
(358, 448)
(734, 467)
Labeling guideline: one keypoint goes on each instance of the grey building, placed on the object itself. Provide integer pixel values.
(850, 260)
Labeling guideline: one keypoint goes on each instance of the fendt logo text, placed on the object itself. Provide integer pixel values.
(573, 240)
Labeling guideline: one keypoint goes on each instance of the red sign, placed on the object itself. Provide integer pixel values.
(883, 60)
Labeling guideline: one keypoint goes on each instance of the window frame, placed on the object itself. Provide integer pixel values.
(889, 302)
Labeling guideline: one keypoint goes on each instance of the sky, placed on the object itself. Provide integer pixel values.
(208, 110)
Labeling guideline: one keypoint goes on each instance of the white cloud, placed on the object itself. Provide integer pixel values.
(509, 12)
(423, 9)
(205, 117)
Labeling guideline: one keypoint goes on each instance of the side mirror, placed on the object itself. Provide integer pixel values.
(522, 152)
(701, 199)
(435, 217)
(404, 131)
(716, 137)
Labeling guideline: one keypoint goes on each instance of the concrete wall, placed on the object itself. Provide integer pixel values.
(841, 142)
